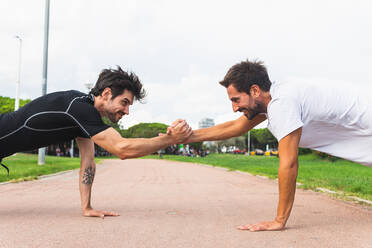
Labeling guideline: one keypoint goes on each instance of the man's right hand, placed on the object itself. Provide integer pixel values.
(174, 124)
(179, 131)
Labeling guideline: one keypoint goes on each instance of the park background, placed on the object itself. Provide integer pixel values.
(181, 50)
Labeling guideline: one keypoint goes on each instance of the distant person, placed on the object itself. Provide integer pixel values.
(62, 116)
(182, 150)
(187, 150)
(160, 152)
(333, 119)
(58, 151)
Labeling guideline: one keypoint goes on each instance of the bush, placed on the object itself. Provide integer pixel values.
(326, 156)
(303, 151)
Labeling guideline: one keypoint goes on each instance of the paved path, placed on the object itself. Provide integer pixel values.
(170, 204)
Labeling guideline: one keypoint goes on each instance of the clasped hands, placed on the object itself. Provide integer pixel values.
(180, 131)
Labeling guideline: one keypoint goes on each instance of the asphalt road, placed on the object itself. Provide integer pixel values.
(171, 204)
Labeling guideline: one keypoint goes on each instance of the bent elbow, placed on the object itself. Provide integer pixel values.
(122, 156)
(126, 155)
(123, 151)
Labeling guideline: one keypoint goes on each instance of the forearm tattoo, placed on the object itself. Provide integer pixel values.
(88, 175)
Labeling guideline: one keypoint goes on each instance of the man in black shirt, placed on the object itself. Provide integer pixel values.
(62, 116)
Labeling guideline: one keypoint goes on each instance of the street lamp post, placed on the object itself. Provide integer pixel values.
(18, 83)
(41, 157)
(249, 142)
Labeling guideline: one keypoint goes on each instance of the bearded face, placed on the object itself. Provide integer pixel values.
(251, 112)
(249, 104)
(116, 108)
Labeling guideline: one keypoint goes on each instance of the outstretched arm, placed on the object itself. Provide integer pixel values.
(225, 130)
(111, 141)
(86, 178)
(287, 175)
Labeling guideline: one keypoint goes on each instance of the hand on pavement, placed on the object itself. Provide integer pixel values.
(263, 226)
(98, 213)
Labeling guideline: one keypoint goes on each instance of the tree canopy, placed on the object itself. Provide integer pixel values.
(262, 137)
(144, 130)
(7, 104)
(259, 138)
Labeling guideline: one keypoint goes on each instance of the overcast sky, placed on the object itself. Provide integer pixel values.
(182, 49)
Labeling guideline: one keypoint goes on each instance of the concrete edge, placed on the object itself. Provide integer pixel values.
(41, 177)
(51, 175)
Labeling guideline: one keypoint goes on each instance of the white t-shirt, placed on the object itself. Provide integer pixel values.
(335, 119)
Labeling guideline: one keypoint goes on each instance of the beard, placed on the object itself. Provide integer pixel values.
(253, 112)
(112, 117)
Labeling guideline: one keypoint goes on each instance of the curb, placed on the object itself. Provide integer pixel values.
(41, 177)
(49, 175)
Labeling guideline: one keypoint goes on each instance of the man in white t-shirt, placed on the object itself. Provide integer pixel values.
(330, 119)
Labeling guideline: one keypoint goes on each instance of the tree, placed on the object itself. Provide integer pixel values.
(7, 104)
(144, 130)
(110, 123)
(196, 145)
(260, 138)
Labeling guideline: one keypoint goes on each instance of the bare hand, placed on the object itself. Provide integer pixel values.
(169, 130)
(263, 226)
(180, 131)
(174, 124)
(98, 213)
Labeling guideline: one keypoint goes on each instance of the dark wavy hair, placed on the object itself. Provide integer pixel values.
(244, 74)
(118, 81)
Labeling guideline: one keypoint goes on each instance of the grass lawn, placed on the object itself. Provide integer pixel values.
(341, 175)
(24, 167)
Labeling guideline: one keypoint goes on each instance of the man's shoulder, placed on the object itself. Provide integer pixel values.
(74, 92)
(285, 89)
(285, 99)
(61, 95)
(284, 93)
(55, 101)
(80, 96)
(68, 93)
(72, 96)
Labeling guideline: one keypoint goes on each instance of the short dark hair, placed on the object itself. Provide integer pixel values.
(244, 74)
(118, 81)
